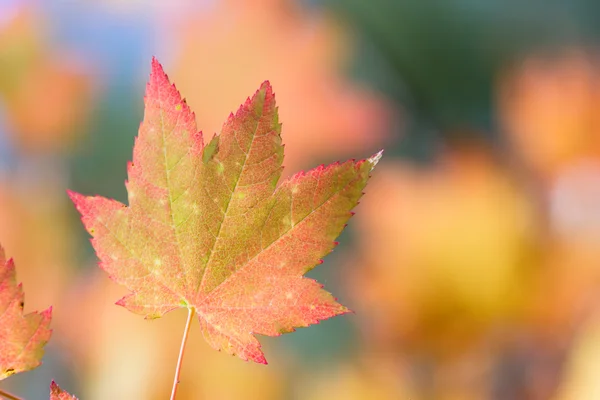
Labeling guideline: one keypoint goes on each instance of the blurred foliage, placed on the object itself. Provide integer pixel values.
(442, 57)
(548, 107)
(46, 95)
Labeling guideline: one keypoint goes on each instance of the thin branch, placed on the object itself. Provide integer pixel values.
(8, 395)
(188, 324)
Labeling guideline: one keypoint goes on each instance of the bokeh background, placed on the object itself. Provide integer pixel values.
(473, 263)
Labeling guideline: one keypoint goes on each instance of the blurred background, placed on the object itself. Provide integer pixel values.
(473, 263)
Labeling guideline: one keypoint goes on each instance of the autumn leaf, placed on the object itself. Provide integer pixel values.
(22, 337)
(56, 393)
(208, 229)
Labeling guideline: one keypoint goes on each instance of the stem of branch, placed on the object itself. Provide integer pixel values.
(188, 324)
(8, 395)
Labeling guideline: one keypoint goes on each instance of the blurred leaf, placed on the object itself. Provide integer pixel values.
(548, 106)
(45, 110)
(46, 95)
(22, 337)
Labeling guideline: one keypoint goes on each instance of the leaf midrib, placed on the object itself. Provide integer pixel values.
(243, 166)
(170, 202)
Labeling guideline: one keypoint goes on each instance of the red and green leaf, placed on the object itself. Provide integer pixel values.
(22, 337)
(209, 228)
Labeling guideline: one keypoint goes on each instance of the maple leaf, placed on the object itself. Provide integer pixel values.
(22, 337)
(207, 228)
(56, 393)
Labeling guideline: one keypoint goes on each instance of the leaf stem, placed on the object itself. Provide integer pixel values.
(188, 324)
(8, 395)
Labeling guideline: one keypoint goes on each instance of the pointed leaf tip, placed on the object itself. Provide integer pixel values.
(157, 72)
(265, 91)
(266, 85)
(47, 313)
(76, 198)
(56, 393)
(72, 195)
(374, 159)
(156, 66)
